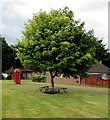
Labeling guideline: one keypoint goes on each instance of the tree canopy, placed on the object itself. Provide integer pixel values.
(106, 60)
(57, 43)
(8, 56)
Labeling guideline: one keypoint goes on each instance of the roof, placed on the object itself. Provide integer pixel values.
(25, 70)
(11, 70)
(99, 68)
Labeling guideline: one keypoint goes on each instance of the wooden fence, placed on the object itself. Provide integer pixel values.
(94, 81)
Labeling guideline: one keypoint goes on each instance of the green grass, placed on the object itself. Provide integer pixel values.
(22, 101)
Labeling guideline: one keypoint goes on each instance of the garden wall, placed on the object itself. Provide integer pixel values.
(63, 80)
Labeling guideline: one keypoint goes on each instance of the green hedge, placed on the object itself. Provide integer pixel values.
(38, 78)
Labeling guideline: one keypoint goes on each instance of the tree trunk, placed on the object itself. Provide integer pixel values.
(52, 81)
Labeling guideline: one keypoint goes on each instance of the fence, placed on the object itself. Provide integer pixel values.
(94, 81)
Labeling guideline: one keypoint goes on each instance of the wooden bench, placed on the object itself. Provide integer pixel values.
(62, 89)
(43, 88)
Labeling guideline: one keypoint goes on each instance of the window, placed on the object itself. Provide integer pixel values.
(99, 76)
(104, 76)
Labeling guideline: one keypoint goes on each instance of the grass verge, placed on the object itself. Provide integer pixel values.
(22, 101)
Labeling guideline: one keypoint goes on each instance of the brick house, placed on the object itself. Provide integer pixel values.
(63, 80)
(26, 74)
(99, 75)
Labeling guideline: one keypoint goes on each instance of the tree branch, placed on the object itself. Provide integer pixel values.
(54, 74)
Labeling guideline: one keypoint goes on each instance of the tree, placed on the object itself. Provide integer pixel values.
(17, 63)
(106, 60)
(102, 54)
(57, 43)
(100, 51)
(8, 55)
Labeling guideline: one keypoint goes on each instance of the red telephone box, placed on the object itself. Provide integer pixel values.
(17, 76)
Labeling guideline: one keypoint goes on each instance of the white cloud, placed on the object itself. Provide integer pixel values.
(35, 5)
(95, 16)
(12, 21)
(93, 6)
(14, 13)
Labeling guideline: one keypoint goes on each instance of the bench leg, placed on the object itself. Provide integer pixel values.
(40, 89)
(58, 91)
(64, 90)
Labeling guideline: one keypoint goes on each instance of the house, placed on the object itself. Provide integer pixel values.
(99, 75)
(63, 80)
(8, 73)
(26, 74)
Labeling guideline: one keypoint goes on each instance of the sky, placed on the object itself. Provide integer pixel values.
(14, 13)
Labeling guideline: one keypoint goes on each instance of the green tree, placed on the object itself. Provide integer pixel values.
(57, 43)
(17, 63)
(100, 51)
(106, 60)
(7, 55)
(102, 54)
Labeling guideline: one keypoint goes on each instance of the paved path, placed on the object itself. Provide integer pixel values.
(26, 83)
(89, 91)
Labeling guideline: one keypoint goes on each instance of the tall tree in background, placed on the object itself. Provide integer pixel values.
(100, 51)
(106, 60)
(8, 56)
(57, 43)
(102, 54)
(17, 63)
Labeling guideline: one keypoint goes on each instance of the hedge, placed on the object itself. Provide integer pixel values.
(38, 78)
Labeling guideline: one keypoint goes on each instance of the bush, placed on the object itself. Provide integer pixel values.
(38, 78)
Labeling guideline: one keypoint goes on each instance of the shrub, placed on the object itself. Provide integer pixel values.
(38, 78)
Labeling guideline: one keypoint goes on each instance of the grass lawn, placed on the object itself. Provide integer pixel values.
(23, 101)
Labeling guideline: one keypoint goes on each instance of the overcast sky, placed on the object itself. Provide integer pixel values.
(15, 12)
